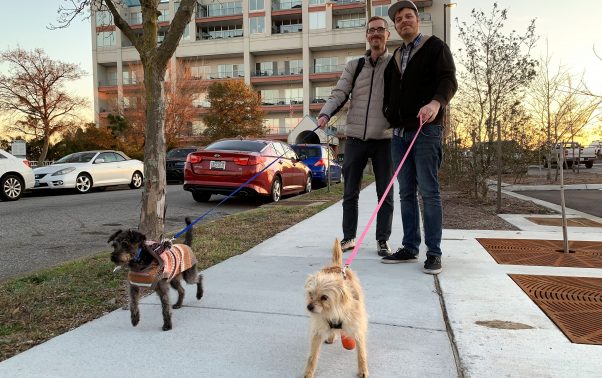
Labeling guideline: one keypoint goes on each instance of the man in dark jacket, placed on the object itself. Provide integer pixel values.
(367, 131)
(420, 80)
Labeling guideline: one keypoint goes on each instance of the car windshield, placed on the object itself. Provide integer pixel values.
(237, 145)
(79, 157)
(179, 152)
(306, 151)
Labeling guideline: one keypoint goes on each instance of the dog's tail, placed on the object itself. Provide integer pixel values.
(337, 253)
(188, 235)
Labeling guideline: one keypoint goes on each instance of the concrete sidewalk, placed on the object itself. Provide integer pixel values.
(252, 321)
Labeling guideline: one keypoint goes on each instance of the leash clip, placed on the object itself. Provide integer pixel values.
(344, 271)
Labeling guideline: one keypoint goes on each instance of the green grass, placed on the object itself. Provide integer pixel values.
(48, 303)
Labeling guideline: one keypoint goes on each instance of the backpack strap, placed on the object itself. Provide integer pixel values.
(358, 69)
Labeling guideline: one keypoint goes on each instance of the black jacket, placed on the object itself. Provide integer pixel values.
(429, 75)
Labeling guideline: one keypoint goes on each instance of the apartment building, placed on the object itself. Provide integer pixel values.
(291, 52)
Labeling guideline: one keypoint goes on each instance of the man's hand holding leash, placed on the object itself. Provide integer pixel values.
(429, 111)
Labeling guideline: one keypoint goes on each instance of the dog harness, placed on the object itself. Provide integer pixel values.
(176, 259)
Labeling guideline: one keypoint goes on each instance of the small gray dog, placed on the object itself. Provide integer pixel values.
(156, 266)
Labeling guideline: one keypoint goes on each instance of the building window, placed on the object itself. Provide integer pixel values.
(269, 97)
(220, 31)
(257, 24)
(322, 94)
(293, 96)
(135, 18)
(130, 102)
(227, 71)
(316, 2)
(354, 20)
(317, 20)
(219, 9)
(293, 25)
(129, 78)
(290, 123)
(105, 39)
(200, 72)
(255, 4)
(330, 64)
(382, 11)
(186, 34)
(266, 68)
(293, 67)
(272, 125)
(164, 16)
(199, 100)
(104, 18)
(286, 4)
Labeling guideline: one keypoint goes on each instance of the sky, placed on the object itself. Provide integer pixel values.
(572, 29)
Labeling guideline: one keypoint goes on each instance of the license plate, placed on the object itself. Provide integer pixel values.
(219, 164)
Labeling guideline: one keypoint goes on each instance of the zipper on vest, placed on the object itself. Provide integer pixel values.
(369, 100)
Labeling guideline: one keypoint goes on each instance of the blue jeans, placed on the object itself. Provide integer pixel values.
(420, 173)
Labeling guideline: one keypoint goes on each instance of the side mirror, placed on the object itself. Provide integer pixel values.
(98, 161)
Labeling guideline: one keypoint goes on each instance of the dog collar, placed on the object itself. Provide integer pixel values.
(333, 325)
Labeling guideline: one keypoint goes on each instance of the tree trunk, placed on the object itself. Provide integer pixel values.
(152, 214)
(498, 204)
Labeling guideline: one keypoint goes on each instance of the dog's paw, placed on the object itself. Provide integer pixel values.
(362, 375)
(135, 319)
(176, 306)
(166, 326)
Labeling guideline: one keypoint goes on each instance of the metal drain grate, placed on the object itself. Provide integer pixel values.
(574, 304)
(585, 254)
(571, 222)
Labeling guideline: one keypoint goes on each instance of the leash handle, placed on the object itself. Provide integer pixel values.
(382, 199)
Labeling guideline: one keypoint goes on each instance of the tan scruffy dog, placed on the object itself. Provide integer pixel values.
(336, 305)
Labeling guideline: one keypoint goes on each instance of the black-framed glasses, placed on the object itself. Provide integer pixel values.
(379, 30)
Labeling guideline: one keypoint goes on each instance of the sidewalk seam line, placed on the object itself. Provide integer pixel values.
(450, 331)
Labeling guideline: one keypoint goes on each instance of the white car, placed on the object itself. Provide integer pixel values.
(16, 176)
(84, 170)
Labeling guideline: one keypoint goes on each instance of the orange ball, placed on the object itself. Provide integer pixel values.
(348, 342)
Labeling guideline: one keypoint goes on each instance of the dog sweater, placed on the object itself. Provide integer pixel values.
(176, 259)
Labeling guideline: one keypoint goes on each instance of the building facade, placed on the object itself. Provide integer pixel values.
(291, 52)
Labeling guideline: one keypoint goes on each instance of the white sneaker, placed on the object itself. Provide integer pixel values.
(347, 244)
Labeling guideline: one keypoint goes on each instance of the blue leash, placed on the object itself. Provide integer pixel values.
(233, 193)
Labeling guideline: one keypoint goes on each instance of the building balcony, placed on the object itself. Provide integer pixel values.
(107, 86)
(326, 73)
(219, 10)
(221, 76)
(271, 76)
(345, 5)
(287, 4)
(317, 103)
(282, 105)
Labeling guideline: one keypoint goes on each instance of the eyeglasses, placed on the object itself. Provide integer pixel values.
(379, 30)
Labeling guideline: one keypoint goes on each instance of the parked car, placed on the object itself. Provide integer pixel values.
(228, 163)
(320, 159)
(175, 160)
(16, 176)
(84, 170)
(574, 153)
(597, 146)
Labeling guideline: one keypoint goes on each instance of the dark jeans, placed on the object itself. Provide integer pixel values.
(357, 152)
(420, 172)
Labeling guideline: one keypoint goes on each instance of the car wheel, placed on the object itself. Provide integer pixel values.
(589, 164)
(12, 187)
(136, 182)
(276, 191)
(201, 196)
(83, 183)
(307, 184)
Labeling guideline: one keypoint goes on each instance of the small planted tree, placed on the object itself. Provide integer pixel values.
(235, 111)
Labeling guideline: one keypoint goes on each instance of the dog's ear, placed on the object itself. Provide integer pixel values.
(136, 236)
(112, 237)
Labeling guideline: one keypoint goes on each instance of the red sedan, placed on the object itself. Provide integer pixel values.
(228, 163)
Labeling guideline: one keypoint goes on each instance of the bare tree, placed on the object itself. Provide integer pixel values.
(496, 69)
(155, 58)
(561, 105)
(33, 90)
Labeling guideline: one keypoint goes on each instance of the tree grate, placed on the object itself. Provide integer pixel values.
(583, 254)
(571, 222)
(574, 304)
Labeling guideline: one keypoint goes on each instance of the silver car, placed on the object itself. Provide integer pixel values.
(84, 170)
(16, 176)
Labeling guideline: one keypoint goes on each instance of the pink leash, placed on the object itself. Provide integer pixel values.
(382, 199)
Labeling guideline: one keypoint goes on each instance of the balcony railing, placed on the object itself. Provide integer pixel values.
(220, 75)
(319, 100)
(107, 83)
(354, 23)
(329, 68)
(343, 2)
(225, 9)
(294, 28)
(287, 4)
(219, 34)
(281, 101)
(271, 72)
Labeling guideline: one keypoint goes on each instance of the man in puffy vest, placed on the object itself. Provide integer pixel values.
(367, 132)
(420, 80)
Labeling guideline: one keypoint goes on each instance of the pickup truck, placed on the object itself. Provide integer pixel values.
(597, 146)
(574, 153)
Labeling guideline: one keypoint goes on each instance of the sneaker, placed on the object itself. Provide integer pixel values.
(383, 248)
(347, 244)
(432, 265)
(401, 256)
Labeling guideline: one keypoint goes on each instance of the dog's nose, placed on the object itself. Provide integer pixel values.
(310, 307)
